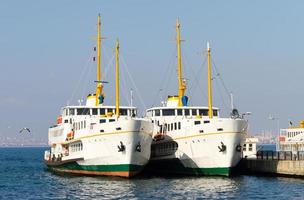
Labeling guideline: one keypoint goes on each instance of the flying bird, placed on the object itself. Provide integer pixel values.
(25, 129)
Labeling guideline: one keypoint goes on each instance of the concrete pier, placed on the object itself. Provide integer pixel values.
(275, 163)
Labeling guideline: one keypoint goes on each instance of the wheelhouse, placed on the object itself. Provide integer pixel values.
(181, 111)
(70, 111)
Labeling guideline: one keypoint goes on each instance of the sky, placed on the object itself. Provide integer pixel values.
(46, 50)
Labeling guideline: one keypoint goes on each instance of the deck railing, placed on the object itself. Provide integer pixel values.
(280, 155)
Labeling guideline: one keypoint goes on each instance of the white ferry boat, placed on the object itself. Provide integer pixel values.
(292, 139)
(96, 139)
(194, 140)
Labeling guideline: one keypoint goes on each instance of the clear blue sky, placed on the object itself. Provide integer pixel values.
(256, 45)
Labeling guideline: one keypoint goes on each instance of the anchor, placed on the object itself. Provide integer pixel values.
(222, 148)
(121, 147)
(138, 147)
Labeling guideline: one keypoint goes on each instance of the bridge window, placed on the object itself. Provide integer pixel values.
(157, 112)
(187, 112)
(94, 111)
(194, 112)
(102, 111)
(203, 112)
(179, 112)
(168, 112)
(215, 112)
(123, 112)
(71, 111)
(83, 111)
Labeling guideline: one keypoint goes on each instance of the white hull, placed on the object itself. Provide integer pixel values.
(199, 153)
(102, 153)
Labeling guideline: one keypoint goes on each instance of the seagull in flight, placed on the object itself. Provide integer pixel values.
(25, 129)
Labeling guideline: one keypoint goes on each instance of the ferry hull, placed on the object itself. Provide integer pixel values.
(121, 153)
(199, 154)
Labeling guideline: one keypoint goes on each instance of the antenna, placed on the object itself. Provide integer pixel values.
(231, 101)
(131, 97)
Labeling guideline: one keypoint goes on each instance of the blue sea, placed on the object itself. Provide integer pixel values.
(24, 176)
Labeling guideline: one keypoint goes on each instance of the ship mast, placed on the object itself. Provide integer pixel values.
(99, 86)
(181, 82)
(117, 78)
(210, 111)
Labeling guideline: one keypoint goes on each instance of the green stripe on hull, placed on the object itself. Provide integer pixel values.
(99, 168)
(223, 171)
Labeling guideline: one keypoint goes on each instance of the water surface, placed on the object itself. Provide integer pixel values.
(24, 176)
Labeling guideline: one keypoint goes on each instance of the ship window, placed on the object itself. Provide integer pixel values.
(219, 129)
(102, 111)
(179, 112)
(133, 113)
(123, 112)
(168, 112)
(244, 147)
(83, 111)
(157, 112)
(66, 121)
(109, 110)
(197, 122)
(84, 124)
(71, 111)
(111, 120)
(101, 131)
(102, 121)
(168, 125)
(194, 112)
(118, 128)
(203, 112)
(81, 125)
(175, 126)
(161, 128)
(206, 122)
(215, 112)
(250, 147)
(172, 127)
(179, 125)
(94, 111)
(187, 112)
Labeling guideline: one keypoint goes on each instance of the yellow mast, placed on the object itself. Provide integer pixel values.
(99, 86)
(117, 78)
(210, 112)
(181, 82)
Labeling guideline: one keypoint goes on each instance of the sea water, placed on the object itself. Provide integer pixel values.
(23, 175)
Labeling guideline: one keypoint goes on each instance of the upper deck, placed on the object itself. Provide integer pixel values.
(181, 111)
(97, 110)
